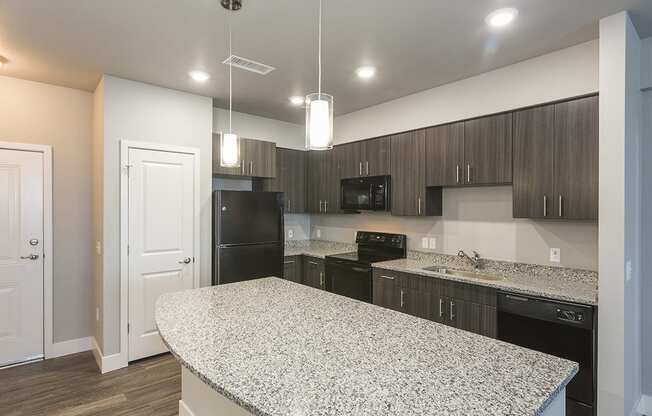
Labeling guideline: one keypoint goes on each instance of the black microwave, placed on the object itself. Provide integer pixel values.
(365, 194)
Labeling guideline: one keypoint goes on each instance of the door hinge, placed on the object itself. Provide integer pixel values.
(193, 259)
(128, 168)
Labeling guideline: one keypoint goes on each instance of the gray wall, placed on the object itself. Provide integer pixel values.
(646, 231)
(477, 219)
(98, 208)
(33, 112)
(141, 112)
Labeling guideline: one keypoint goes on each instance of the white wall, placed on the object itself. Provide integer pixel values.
(619, 342)
(477, 219)
(142, 112)
(566, 73)
(32, 112)
(289, 135)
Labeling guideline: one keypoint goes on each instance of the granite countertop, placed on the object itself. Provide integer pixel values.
(316, 248)
(280, 348)
(570, 285)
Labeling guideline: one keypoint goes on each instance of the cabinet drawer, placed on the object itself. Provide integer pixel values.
(469, 292)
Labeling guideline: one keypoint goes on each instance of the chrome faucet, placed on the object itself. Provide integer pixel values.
(475, 259)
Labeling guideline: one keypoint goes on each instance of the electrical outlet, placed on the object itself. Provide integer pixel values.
(98, 248)
(424, 242)
(318, 233)
(555, 255)
(290, 233)
(432, 244)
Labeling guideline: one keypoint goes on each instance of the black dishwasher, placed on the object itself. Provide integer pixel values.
(565, 330)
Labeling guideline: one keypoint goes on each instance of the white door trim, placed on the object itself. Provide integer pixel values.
(125, 145)
(48, 341)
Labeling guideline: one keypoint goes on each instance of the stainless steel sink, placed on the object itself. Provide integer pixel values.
(461, 273)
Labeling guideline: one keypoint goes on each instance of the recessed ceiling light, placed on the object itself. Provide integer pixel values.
(199, 76)
(366, 72)
(297, 100)
(501, 17)
(3, 61)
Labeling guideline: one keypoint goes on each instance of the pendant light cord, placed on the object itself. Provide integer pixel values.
(319, 52)
(230, 75)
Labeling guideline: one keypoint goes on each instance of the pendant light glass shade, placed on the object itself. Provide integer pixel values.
(319, 121)
(229, 150)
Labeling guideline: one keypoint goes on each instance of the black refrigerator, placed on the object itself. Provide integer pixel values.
(248, 235)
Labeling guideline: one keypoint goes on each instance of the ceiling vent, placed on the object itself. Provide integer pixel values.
(248, 65)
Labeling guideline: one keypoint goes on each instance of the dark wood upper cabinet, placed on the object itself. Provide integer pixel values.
(376, 160)
(576, 159)
(408, 167)
(290, 179)
(445, 155)
(323, 182)
(488, 150)
(556, 161)
(257, 159)
(532, 186)
(364, 158)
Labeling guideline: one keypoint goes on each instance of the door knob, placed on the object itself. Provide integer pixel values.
(185, 261)
(30, 257)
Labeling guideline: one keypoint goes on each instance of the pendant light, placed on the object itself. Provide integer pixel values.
(230, 142)
(319, 110)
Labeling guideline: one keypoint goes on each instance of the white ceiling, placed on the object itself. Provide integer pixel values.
(416, 44)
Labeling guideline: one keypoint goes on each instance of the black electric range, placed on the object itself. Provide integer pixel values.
(350, 274)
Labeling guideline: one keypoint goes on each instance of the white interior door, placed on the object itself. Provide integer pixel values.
(161, 236)
(21, 256)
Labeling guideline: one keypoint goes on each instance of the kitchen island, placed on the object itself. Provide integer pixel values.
(273, 347)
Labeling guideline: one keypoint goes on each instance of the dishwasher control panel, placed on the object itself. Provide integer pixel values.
(563, 313)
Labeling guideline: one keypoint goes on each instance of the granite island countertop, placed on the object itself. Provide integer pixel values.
(275, 347)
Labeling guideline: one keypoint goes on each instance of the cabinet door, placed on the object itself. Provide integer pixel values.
(576, 159)
(435, 303)
(350, 158)
(386, 289)
(414, 298)
(313, 272)
(330, 182)
(488, 150)
(465, 315)
(217, 168)
(444, 150)
(533, 162)
(292, 268)
(376, 157)
(314, 201)
(260, 157)
(408, 173)
(295, 181)
(489, 327)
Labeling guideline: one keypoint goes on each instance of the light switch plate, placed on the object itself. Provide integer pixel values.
(290, 233)
(432, 243)
(555, 255)
(424, 242)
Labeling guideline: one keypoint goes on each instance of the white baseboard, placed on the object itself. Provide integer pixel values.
(645, 405)
(107, 363)
(184, 410)
(72, 346)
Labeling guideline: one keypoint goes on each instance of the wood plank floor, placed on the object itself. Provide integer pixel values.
(73, 386)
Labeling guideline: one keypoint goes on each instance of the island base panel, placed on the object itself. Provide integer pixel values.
(557, 406)
(198, 399)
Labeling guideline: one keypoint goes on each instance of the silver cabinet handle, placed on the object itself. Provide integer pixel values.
(441, 307)
(251, 167)
(402, 296)
(468, 173)
(321, 279)
(545, 206)
(320, 201)
(242, 165)
(30, 257)
(419, 202)
(367, 168)
(387, 277)
(457, 173)
(185, 261)
(289, 262)
(360, 169)
(325, 206)
(452, 315)
(561, 201)
(313, 263)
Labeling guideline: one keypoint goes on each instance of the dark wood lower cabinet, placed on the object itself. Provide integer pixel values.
(292, 268)
(314, 273)
(464, 306)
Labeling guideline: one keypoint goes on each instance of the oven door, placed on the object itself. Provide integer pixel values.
(348, 279)
(357, 194)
